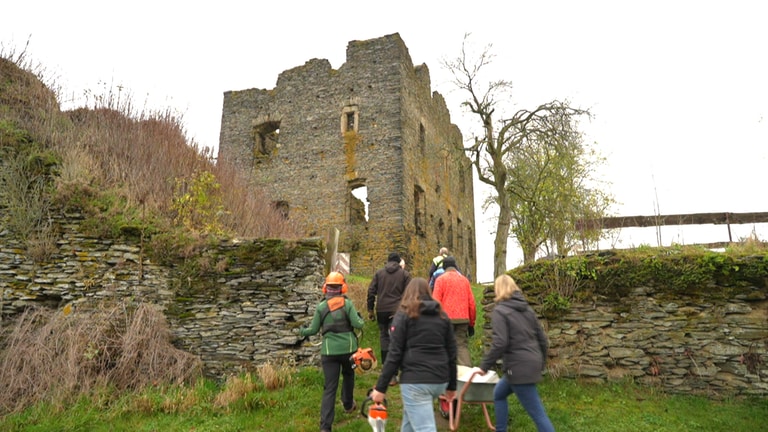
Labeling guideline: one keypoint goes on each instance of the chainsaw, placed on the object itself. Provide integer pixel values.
(363, 360)
(375, 412)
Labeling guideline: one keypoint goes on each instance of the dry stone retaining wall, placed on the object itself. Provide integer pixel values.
(233, 319)
(686, 345)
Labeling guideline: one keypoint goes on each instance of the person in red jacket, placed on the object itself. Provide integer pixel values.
(453, 291)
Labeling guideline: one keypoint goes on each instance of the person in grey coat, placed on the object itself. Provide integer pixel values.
(519, 340)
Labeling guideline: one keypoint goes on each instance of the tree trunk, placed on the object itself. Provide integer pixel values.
(529, 254)
(502, 233)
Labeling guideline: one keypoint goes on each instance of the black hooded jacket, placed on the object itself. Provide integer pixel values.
(423, 349)
(518, 339)
(387, 287)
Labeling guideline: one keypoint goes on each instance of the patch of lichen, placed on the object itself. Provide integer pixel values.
(268, 254)
(194, 282)
(351, 140)
(178, 310)
(188, 283)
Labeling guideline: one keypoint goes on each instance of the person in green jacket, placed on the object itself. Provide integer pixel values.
(336, 317)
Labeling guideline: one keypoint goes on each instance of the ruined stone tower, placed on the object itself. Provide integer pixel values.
(375, 126)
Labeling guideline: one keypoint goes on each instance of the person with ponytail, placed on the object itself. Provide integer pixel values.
(423, 348)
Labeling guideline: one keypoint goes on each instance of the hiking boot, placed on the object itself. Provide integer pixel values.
(351, 409)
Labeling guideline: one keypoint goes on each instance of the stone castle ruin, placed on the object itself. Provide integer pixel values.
(367, 149)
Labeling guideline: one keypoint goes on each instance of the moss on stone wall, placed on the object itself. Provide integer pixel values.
(672, 271)
(688, 271)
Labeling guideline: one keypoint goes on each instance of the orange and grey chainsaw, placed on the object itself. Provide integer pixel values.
(363, 360)
(375, 412)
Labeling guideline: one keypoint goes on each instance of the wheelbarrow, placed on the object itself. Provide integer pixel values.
(471, 388)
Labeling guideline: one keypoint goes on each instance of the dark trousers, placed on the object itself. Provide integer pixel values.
(335, 366)
(462, 344)
(384, 320)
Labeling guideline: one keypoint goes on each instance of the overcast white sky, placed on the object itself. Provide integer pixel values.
(679, 89)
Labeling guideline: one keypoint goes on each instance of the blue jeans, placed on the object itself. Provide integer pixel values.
(418, 408)
(529, 399)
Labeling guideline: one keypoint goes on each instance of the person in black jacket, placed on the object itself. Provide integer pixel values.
(384, 294)
(423, 348)
(519, 340)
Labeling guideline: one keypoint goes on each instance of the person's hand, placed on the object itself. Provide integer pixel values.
(371, 315)
(471, 331)
(377, 396)
(450, 395)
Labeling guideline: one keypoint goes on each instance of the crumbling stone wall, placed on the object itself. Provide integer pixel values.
(376, 124)
(234, 318)
(704, 345)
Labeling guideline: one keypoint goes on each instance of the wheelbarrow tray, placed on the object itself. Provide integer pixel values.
(479, 389)
(471, 388)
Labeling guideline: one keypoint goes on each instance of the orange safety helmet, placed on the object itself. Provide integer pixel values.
(335, 278)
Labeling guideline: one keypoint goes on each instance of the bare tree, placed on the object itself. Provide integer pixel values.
(551, 187)
(491, 148)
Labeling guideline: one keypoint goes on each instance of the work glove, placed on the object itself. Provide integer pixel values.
(470, 331)
(371, 316)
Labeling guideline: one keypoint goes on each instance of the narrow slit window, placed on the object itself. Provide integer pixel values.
(422, 139)
(349, 119)
(440, 231)
(419, 210)
(459, 234)
(470, 245)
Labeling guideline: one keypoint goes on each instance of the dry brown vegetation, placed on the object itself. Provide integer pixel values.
(147, 160)
(57, 356)
(235, 389)
(274, 376)
(357, 291)
(269, 376)
(121, 162)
